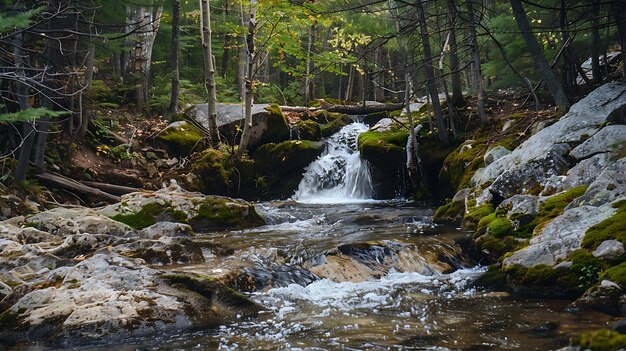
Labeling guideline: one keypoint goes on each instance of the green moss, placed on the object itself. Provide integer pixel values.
(331, 122)
(616, 274)
(545, 280)
(474, 214)
(9, 318)
(308, 130)
(493, 278)
(612, 228)
(555, 205)
(461, 164)
(601, 340)
(214, 170)
(494, 247)
(216, 213)
(451, 212)
(500, 227)
(482, 224)
(277, 126)
(182, 140)
(143, 218)
(383, 148)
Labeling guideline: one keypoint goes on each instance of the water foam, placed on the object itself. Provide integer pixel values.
(339, 175)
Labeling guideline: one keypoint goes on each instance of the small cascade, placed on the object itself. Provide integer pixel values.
(339, 174)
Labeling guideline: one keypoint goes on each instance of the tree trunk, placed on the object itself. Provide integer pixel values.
(350, 84)
(28, 130)
(243, 55)
(455, 78)
(84, 110)
(209, 71)
(477, 70)
(227, 43)
(540, 60)
(174, 58)
(596, 71)
(309, 51)
(249, 84)
(431, 85)
(569, 71)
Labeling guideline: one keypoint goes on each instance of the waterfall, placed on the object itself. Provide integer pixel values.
(339, 174)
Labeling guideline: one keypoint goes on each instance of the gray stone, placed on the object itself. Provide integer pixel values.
(494, 154)
(162, 229)
(560, 237)
(108, 297)
(226, 113)
(609, 249)
(564, 264)
(607, 186)
(520, 209)
(607, 139)
(67, 221)
(384, 125)
(619, 326)
(461, 195)
(605, 297)
(584, 173)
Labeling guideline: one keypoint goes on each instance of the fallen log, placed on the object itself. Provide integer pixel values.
(70, 184)
(111, 188)
(347, 109)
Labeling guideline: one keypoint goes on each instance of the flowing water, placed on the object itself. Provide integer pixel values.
(336, 271)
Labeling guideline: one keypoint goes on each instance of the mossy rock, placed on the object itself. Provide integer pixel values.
(277, 128)
(383, 149)
(616, 274)
(331, 122)
(474, 214)
(217, 172)
(612, 228)
(203, 213)
(180, 138)
(373, 118)
(544, 281)
(600, 340)
(450, 213)
(307, 130)
(281, 165)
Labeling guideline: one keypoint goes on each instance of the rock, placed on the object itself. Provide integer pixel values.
(461, 195)
(168, 250)
(564, 264)
(268, 126)
(26, 235)
(530, 177)
(485, 197)
(306, 130)
(4, 290)
(331, 122)
(619, 326)
(82, 244)
(529, 159)
(584, 173)
(62, 221)
(520, 209)
(283, 164)
(607, 186)
(108, 298)
(560, 237)
(607, 139)
(609, 249)
(180, 138)
(384, 125)
(604, 297)
(202, 212)
(163, 229)
(494, 154)
(228, 115)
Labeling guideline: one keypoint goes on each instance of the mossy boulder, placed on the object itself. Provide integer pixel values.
(452, 212)
(386, 154)
(307, 130)
(180, 138)
(331, 122)
(218, 172)
(281, 165)
(612, 228)
(173, 204)
(600, 340)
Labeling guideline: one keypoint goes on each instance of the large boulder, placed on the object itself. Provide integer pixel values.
(103, 299)
(560, 237)
(63, 221)
(180, 138)
(174, 204)
(386, 154)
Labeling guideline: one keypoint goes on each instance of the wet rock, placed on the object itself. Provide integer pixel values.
(202, 212)
(607, 139)
(26, 235)
(619, 326)
(273, 275)
(520, 209)
(307, 130)
(82, 244)
(384, 125)
(101, 298)
(162, 229)
(560, 237)
(494, 154)
(607, 186)
(180, 138)
(67, 221)
(609, 249)
(605, 297)
(168, 250)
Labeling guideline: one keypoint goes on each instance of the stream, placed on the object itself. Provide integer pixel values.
(336, 270)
